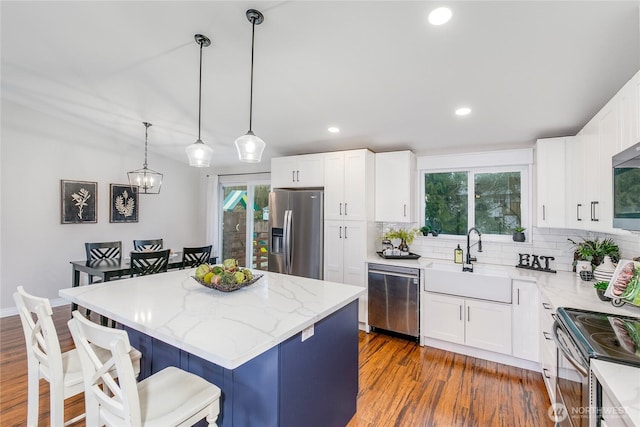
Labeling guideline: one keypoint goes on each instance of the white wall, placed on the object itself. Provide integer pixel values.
(37, 152)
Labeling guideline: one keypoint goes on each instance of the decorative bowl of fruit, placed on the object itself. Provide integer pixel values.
(225, 277)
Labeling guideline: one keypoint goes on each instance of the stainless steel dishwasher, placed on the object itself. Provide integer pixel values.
(394, 299)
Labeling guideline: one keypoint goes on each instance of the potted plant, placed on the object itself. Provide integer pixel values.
(427, 229)
(595, 250)
(601, 287)
(518, 234)
(406, 237)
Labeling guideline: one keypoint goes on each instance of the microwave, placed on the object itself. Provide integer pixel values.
(626, 188)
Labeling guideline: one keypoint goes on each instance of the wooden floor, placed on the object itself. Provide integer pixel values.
(401, 384)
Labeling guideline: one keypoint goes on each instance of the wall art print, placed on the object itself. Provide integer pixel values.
(124, 203)
(79, 200)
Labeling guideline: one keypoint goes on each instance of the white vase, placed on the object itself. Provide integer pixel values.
(582, 266)
(604, 271)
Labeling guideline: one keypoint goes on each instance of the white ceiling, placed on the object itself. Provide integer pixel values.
(375, 69)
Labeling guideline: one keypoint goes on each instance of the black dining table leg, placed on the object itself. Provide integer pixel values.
(74, 284)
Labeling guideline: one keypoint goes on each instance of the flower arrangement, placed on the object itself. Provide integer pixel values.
(406, 236)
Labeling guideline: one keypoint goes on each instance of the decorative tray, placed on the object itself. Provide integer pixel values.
(410, 256)
(231, 287)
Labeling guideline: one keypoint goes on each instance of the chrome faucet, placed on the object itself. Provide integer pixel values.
(468, 266)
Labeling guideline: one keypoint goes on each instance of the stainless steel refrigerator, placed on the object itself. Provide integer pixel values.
(296, 224)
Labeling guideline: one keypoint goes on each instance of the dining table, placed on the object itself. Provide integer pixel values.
(113, 268)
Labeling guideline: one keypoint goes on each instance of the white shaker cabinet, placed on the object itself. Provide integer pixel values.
(550, 182)
(577, 209)
(630, 113)
(305, 171)
(525, 315)
(395, 186)
(476, 323)
(548, 350)
(345, 249)
(349, 185)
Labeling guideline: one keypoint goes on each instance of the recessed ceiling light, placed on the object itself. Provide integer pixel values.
(440, 16)
(333, 129)
(463, 111)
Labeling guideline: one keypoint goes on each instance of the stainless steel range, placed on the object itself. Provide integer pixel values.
(580, 336)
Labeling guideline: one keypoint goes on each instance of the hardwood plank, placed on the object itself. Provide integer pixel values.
(401, 384)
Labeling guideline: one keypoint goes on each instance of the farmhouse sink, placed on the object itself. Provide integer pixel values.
(484, 283)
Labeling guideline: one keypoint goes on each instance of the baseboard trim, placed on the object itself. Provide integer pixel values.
(481, 354)
(12, 311)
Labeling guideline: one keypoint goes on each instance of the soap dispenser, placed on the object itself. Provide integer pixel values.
(457, 255)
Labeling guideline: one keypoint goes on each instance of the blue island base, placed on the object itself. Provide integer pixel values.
(297, 383)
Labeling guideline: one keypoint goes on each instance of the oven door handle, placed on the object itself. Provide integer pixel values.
(565, 352)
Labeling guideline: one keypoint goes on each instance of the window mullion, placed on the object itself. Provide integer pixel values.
(471, 197)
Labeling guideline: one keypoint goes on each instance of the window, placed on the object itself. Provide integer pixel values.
(489, 199)
(244, 233)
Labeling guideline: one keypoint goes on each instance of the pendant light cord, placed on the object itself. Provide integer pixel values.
(200, 92)
(146, 128)
(253, 31)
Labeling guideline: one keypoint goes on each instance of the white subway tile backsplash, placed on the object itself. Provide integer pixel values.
(540, 241)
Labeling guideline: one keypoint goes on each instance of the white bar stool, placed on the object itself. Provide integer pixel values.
(171, 397)
(63, 371)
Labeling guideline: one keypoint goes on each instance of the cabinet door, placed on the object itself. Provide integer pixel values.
(608, 142)
(354, 256)
(550, 164)
(310, 171)
(525, 325)
(394, 186)
(354, 238)
(355, 185)
(334, 186)
(577, 209)
(283, 172)
(443, 318)
(630, 113)
(488, 325)
(333, 251)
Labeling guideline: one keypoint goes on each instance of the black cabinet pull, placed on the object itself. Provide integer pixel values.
(544, 213)
(578, 206)
(595, 212)
(340, 233)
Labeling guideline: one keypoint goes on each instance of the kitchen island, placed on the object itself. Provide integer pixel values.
(284, 350)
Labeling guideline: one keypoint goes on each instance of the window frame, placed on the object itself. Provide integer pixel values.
(525, 195)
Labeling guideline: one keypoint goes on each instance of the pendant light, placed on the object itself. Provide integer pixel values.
(199, 153)
(249, 146)
(147, 180)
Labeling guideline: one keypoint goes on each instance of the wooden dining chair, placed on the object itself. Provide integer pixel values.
(147, 245)
(193, 257)
(143, 263)
(45, 360)
(170, 397)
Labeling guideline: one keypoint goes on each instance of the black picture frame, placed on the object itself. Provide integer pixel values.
(123, 203)
(79, 202)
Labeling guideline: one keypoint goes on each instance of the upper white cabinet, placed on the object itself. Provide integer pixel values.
(303, 171)
(550, 181)
(395, 186)
(630, 113)
(348, 185)
(579, 171)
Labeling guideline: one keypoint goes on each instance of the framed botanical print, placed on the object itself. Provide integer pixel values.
(79, 202)
(124, 203)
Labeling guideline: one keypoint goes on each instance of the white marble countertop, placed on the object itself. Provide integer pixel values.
(563, 289)
(227, 329)
(622, 384)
